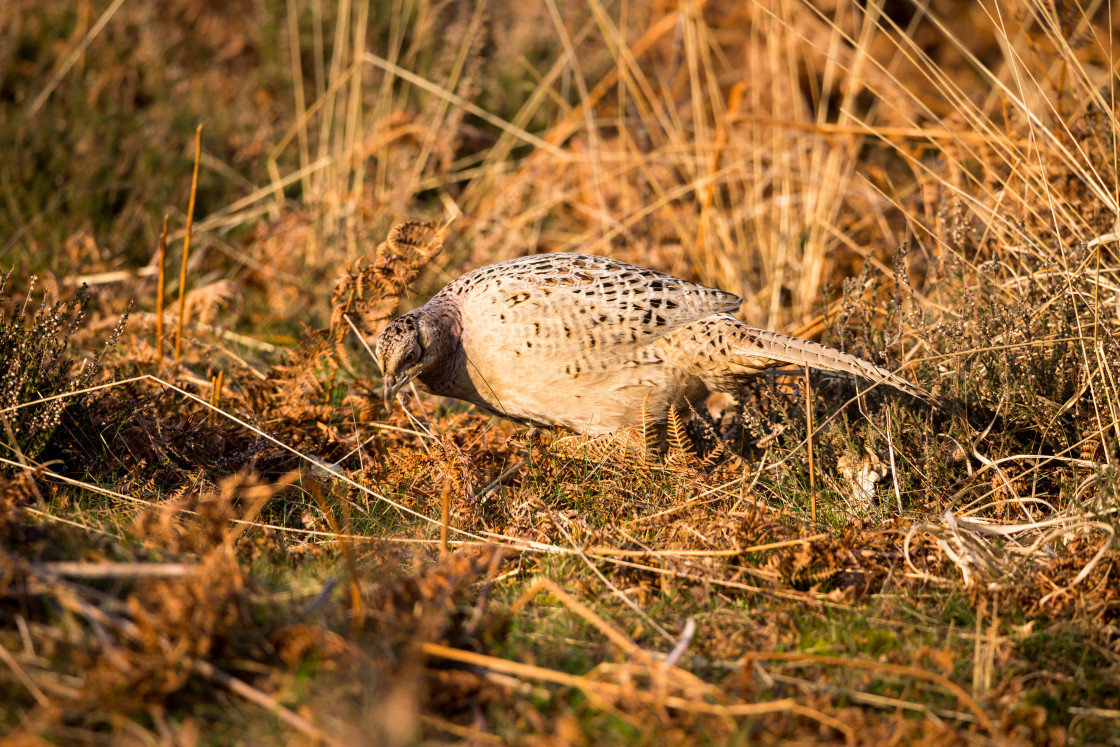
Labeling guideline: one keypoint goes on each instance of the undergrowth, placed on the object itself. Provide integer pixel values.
(244, 543)
(39, 376)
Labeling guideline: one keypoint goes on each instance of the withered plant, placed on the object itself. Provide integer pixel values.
(247, 546)
(38, 375)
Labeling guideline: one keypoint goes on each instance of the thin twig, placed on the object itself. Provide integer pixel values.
(894, 470)
(545, 584)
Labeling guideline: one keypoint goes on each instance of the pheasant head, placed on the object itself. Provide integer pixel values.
(405, 349)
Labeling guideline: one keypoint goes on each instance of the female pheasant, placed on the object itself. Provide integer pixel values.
(579, 341)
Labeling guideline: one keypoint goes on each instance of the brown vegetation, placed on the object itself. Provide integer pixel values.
(246, 545)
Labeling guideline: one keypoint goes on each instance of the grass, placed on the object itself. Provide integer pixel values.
(933, 187)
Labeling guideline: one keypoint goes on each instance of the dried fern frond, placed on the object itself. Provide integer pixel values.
(625, 446)
(455, 466)
(714, 455)
(371, 292)
(651, 440)
(679, 445)
(203, 303)
(719, 449)
(295, 389)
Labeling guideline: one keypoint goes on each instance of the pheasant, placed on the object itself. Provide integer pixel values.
(589, 343)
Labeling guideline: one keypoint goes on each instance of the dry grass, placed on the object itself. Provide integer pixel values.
(244, 545)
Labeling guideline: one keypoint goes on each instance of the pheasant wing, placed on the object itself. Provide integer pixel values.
(565, 302)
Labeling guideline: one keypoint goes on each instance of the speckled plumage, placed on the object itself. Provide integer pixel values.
(578, 341)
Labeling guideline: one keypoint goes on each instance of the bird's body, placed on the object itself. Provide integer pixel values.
(589, 343)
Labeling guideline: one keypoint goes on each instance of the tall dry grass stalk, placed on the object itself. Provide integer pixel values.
(160, 285)
(187, 244)
(775, 149)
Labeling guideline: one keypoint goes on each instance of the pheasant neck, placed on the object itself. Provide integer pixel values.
(443, 369)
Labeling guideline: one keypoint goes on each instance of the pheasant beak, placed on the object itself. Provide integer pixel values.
(393, 384)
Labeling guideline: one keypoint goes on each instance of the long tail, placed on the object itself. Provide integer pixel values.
(760, 346)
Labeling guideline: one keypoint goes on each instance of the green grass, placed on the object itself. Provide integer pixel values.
(846, 189)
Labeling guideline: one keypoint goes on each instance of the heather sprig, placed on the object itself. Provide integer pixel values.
(35, 364)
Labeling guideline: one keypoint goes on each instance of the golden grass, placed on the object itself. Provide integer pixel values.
(932, 185)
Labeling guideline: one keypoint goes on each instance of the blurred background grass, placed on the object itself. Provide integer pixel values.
(767, 148)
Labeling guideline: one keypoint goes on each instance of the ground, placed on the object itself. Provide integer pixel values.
(213, 529)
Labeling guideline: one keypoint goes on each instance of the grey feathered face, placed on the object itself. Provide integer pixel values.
(404, 349)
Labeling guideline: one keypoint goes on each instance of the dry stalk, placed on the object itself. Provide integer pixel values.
(216, 394)
(357, 607)
(809, 444)
(613, 551)
(187, 243)
(160, 287)
(970, 546)
(445, 516)
(264, 700)
(544, 584)
(600, 692)
(876, 666)
(22, 676)
(105, 569)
